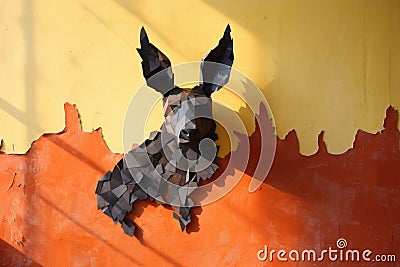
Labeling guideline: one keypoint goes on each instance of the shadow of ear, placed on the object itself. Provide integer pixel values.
(194, 225)
(139, 234)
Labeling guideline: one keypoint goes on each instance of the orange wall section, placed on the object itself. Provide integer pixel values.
(48, 206)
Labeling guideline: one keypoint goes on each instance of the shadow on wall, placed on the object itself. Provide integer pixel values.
(10, 256)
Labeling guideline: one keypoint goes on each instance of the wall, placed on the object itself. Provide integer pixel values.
(323, 66)
(48, 208)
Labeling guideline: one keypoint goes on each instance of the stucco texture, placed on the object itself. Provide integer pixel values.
(49, 213)
(322, 65)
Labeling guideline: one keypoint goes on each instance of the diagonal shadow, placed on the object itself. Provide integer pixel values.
(10, 256)
(87, 229)
(101, 239)
(77, 154)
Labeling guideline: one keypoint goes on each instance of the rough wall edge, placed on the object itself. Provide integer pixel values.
(320, 136)
(71, 113)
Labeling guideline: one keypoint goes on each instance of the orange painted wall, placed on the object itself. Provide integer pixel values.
(49, 217)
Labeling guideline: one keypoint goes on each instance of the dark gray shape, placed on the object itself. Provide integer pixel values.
(125, 204)
(153, 135)
(170, 167)
(99, 187)
(130, 186)
(192, 155)
(118, 212)
(159, 168)
(214, 76)
(156, 66)
(126, 197)
(126, 177)
(128, 226)
(139, 193)
(120, 190)
(154, 147)
(183, 192)
(137, 159)
(106, 177)
(185, 213)
(136, 174)
(106, 187)
(116, 179)
(109, 197)
(133, 199)
(182, 222)
(153, 191)
(101, 202)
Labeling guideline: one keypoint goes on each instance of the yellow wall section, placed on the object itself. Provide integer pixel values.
(322, 65)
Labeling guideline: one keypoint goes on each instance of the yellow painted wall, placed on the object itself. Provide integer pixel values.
(322, 65)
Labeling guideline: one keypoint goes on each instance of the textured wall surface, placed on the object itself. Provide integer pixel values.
(49, 217)
(322, 65)
(329, 70)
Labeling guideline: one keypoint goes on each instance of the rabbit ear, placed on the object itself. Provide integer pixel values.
(156, 66)
(216, 65)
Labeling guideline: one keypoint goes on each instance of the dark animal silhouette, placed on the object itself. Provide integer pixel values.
(168, 166)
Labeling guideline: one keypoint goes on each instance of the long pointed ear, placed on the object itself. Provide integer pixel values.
(216, 65)
(156, 66)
